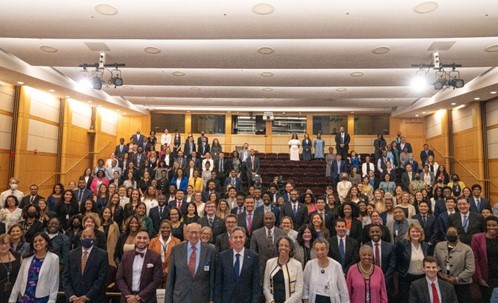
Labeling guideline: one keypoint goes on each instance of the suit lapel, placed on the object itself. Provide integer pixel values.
(90, 260)
(78, 257)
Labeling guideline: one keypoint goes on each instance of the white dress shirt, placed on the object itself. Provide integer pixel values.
(241, 258)
(138, 264)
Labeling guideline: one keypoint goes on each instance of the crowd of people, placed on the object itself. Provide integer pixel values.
(203, 227)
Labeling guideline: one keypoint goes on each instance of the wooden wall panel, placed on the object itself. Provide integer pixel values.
(493, 175)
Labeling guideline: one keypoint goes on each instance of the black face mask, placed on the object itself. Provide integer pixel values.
(76, 225)
(417, 177)
(451, 238)
(455, 179)
(31, 214)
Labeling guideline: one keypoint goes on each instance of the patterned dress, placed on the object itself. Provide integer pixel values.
(33, 275)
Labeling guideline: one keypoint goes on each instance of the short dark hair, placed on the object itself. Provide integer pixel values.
(476, 186)
(429, 259)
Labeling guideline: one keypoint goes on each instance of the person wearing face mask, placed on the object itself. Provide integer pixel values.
(417, 184)
(84, 277)
(12, 191)
(456, 185)
(457, 264)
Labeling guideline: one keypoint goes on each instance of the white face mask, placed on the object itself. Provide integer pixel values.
(13, 186)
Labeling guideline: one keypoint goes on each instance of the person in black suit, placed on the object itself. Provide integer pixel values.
(250, 220)
(424, 154)
(442, 219)
(121, 150)
(32, 198)
(295, 210)
(236, 281)
(138, 159)
(328, 216)
(467, 222)
(203, 147)
(343, 248)
(428, 223)
(139, 139)
(179, 201)
(222, 241)
(221, 167)
(407, 177)
(413, 163)
(82, 193)
(342, 140)
(402, 144)
(233, 180)
(88, 283)
(159, 212)
(269, 207)
(387, 259)
(252, 166)
(337, 167)
(422, 290)
(216, 223)
(477, 204)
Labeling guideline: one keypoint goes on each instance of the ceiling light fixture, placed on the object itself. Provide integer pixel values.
(265, 50)
(48, 49)
(152, 50)
(178, 74)
(426, 7)
(477, 98)
(106, 9)
(356, 74)
(95, 79)
(20, 82)
(267, 89)
(492, 93)
(381, 50)
(492, 48)
(116, 78)
(443, 78)
(266, 74)
(263, 9)
(453, 103)
(196, 89)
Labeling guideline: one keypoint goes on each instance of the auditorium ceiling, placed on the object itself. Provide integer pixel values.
(247, 56)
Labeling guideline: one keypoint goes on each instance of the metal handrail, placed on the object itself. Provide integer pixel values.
(463, 165)
(76, 163)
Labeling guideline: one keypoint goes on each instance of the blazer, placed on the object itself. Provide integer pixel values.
(183, 183)
(157, 217)
(119, 152)
(461, 261)
(274, 209)
(335, 171)
(181, 287)
(174, 204)
(228, 287)
(259, 244)
(257, 221)
(90, 282)
(419, 292)
(388, 259)
(407, 145)
(405, 180)
(186, 147)
(403, 250)
(386, 234)
(480, 248)
(414, 165)
(150, 278)
(351, 254)
(225, 167)
(238, 183)
(26, 200)
(156, 245)
(301, 216)
(473, 207)
(85, 195)
(347, 139)
(475, 225)
(430, 227)
(293, 279)
(424, 155)
(203, 149)
(249, 164)
(218, 226)
(48, 279)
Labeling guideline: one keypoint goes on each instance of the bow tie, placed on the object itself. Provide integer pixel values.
(139, 253)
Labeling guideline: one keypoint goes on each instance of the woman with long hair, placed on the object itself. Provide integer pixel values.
(66, 207)
(117, 212)
(9, 269)
(146, 220)
(111, 232)
(18, 243)
(130, 207)
(126, 240)
(306, 235)
(55, 196)
(222, 209)
(349, 212)
(318, 226)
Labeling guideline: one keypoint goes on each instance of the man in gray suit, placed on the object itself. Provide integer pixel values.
(191, 270)
(264, 239)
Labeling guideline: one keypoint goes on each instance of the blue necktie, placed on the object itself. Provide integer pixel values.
(341, 252)
(465, 223)
(294, 211)
(236, 267)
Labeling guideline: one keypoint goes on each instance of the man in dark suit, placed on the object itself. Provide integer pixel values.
(139, 139)
(33, 196)
(88, 283)
(138, 159)
(196, 159)
(336, 168)
(428, 223)
(222, 241)
(221, 167)
(269, 207)
(237, 269)
(121, 149)
(413, 163)
(210, 189)
(477, 204)
(182, 161)
(82, 193)
(431, 289)
(442, 219)
(387, 259)
(425, 153)
(216, 223)
(191, 270)
(179, 202)
(159, 212)
(407, 177)
(203, 147)
(342, 140)
(249, 219)
(233, 180)
(261, 239)
(252, 166)
(297, 211)
(239, 208)
(402, 144)
(202, 138)
(150, 275)
(467, 222)
(343, 248)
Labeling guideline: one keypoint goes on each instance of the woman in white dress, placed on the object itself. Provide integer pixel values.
(294, 148)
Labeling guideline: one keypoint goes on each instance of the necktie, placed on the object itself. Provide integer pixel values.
(368, 167)
(160, 212)
(236, 266)
(478, 205)
(221, 165)
(377, 255)
(240, 210)
(80, 197)
(341, 252)
(252, 163)
(270, 241)
(84, 258)
(294, 211)
(192, 261)
(249, 222)
(179, 204)
(465, 223)
(32, 199)
(210, 222)
(435, 296)
(233, 181)
(424, 219)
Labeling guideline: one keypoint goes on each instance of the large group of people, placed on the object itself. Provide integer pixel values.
(204, 227)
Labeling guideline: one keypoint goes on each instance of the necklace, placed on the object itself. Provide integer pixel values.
(363, 271)
(322, 268)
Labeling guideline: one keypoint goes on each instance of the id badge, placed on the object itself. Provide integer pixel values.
(206, 266)
(7, 287)
(67, 217)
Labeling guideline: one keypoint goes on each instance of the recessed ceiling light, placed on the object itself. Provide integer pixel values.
(178, 74)
(266, 74)
(417, 116)
(48, 49)
(356, 74)
(89, 101)
(426, 7)
(51, 90)
(493, 93)
(195, 89)
(423, 112)
(20, 82)
(268, 89)
(67, 97)
(127, 87)
(341, 89)
(106, 9)
(263, 9)
(453, 103)
(265, 50)
(492, 48)
(477, 98)
(152, 50)
(380, 50)
(352, 112)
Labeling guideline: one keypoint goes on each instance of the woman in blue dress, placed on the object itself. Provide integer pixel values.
(306, 147)
(319, 146)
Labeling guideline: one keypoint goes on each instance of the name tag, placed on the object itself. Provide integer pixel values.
(206, 266)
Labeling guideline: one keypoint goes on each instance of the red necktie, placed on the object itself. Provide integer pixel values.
(377, 255)
(249, 222)
(435, 296)
(192, 261)
(179, 204)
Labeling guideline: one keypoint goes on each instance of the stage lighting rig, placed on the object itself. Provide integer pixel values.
(96, 78)
(443, 78)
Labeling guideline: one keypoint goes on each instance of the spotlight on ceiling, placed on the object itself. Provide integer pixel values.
(97, 83)
(456, 83)
(440, 83)
(116, 78)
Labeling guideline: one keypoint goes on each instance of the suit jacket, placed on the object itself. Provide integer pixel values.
(238, 183)
(174, 204)
(249, 164)
(225, 171)
(119, 152)
(150, 278)
(335, 171)
(424, 155)
(440, 207)
(157, 217)
(85, 195)
(223, 242)
(430, 227)
(139, 163)
(407, 145)
(419, 292)
(92, 280)
(403, 250)
(347, 139)
(203, 149)
(414, 165)
(484, 204)
(187, 147)
(26, 200)
(442, 226)
(259, 243)
(218, 225)
(257, 221)
(405, 180)
(480, 248)
(460, 261)
(351, 254)
(388, 259)
(228, 288)
(181, 287)
(475, 225)
(274, 209)
(140, 141)
(301, 214)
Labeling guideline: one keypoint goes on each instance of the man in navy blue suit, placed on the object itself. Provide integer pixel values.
(338, 166)
(477, 203)
(237, 272)
(233, 180)
(269, 207)
(82, 193)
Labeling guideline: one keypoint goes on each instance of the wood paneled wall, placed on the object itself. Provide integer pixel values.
(492, 147)
(6, 114)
